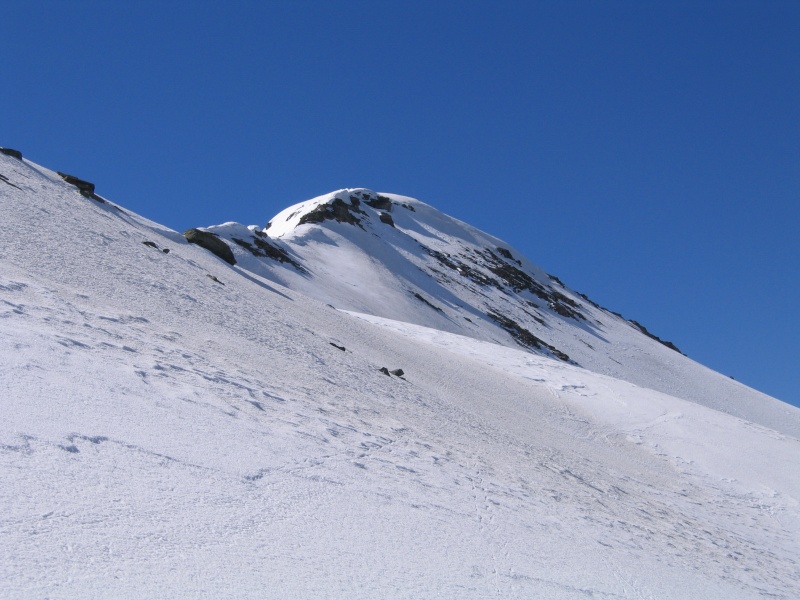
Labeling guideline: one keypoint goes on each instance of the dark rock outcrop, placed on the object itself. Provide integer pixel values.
(525, 337)
(337, 211)
(260, 247)
(463, 269)
(154, 245)
(396, 372)
(505, 253)
(11, 152)
(425, 301)
(643, 329)
(210, 242)
(518, 280)
(379, 202)
(386, 218)
(86, 188)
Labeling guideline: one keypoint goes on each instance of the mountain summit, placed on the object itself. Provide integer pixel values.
(394, 257)
(365, 399)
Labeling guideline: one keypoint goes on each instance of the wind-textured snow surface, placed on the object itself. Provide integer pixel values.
(174, 426)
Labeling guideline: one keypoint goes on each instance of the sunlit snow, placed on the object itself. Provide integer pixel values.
(177, 427)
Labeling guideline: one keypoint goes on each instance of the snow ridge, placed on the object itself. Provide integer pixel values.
(398, 258)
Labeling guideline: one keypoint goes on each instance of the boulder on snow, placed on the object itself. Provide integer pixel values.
(210, 242)
(85, 187)
(11, 152)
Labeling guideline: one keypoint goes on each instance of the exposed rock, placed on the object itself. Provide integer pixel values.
(643, 329)
(11, 152)
(337, 346)
(507, 254)
(212, 278)
(337, 211)
(510, 276)
(525, 337)
(590, 301)
(386, 218)
(462, 268)
(260, 247)
(86, 188)
(519, 281)
(422, 299)
(513, 277)
(154, 245)
(397, 372)
(379, 202)
(210, 242)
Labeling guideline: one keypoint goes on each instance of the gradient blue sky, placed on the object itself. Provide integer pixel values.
(647, 153)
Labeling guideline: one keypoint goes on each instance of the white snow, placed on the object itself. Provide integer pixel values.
(168, 435)
(376, 269)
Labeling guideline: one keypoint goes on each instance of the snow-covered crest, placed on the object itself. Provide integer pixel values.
(396, 257)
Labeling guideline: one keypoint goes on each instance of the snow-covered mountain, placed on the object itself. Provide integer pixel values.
(185, 423)
(398, 258)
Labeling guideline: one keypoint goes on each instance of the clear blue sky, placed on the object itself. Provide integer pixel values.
(648, 153)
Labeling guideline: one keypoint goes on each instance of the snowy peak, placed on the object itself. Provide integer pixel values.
(344, 206)
(422, 262)
(429, 268)
(387, 256)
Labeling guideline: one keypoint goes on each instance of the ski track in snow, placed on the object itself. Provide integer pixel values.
(165, 435)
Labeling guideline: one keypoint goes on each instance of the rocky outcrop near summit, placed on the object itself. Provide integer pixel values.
(396, 257)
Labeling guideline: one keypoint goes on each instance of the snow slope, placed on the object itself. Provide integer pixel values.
(174, 426)
(396, 257)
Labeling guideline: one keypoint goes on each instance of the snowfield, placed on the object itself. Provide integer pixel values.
(176, 426)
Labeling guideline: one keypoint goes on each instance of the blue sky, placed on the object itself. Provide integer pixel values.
(647, 153)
